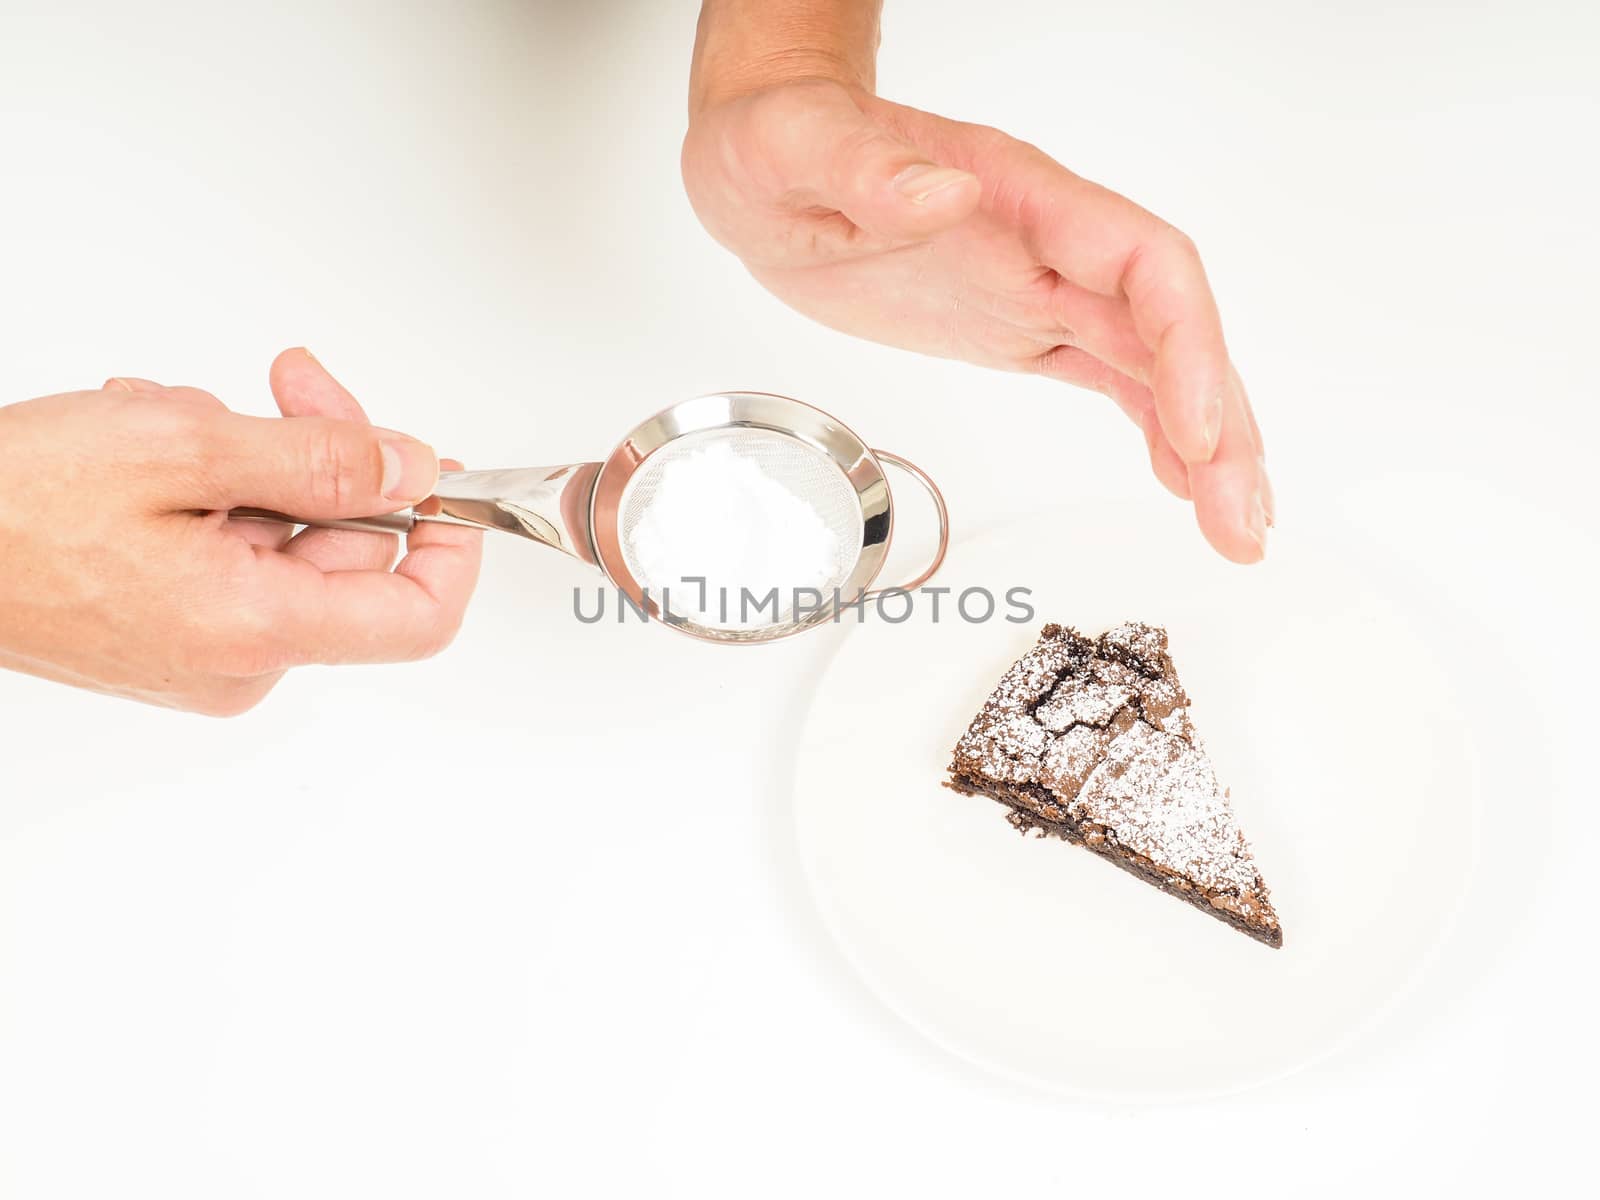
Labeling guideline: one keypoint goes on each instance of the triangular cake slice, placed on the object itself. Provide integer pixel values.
(1089, 739)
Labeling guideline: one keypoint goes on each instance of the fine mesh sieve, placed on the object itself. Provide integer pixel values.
(807, 515)
(740, 526)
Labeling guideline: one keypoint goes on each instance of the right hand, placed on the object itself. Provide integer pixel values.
(953, 239)
(121, 571)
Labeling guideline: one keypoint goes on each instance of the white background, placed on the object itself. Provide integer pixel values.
(527, 920)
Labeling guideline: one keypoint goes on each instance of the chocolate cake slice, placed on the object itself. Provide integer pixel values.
(1089, 739)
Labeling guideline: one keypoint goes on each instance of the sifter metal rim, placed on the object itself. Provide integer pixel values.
(749, 410)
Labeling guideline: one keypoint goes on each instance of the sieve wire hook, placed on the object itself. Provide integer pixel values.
(929, 486)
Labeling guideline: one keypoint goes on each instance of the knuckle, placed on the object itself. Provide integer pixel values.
(197, 399)
(996, 154)
(234, 635)
(797, 100)
(156, 418)
(1180, 245)
(438, 637)
(773, 119)
(229, 700)
(1062, 356)
(257, 642)
(987, 140)
(333, 472)
(864, 142)
(768, 105)
(1044, 363)
(246, 647)
(229, 644)
(430, 645)
(787, 121)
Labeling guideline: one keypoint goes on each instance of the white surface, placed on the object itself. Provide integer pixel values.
(530, 919)
(1026, 956)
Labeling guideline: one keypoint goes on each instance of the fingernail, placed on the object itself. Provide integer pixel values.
(1213, 428)
(1269, 501)
(410, 470)
(923, 180)
(1256, 526)
(121, 385)
(310, 355)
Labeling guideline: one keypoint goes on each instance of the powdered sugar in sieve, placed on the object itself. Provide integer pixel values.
(752, 512)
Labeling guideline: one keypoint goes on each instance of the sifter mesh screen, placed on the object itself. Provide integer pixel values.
(748, 510)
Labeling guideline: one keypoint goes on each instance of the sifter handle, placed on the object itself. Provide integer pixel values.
(545, 504)
(400, 522)
(928, 485)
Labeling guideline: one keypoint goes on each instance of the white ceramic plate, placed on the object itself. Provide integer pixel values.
(1315, 683)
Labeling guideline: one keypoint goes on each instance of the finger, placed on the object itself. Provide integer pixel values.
(1171, 470)
(1250, 416)
(1108, 244)
(820, 150)
(1075, 365)
(313, 467)
(1071, 364)
(444, 562)
(344, 549)
(1268, 499)
(349, 549)
(269, 534)
(1101, 325)
(1176, 316)
(303, 387)
(369, 616)
(272, 535)
(1231, 492)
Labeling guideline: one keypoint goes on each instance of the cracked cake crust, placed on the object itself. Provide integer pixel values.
(1090, 740)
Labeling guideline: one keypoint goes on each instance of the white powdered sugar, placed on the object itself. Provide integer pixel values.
(741, 522)
(1081, 702)
(1159, 796)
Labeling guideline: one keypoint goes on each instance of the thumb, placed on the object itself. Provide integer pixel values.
(836, 154)
(314, 467)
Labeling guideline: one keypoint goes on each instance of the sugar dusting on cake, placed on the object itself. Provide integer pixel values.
(1103, 725)
(1159, 796)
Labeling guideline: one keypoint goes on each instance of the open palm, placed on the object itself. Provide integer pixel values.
(955, 240)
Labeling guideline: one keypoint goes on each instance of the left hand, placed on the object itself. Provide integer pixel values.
(956, 240)
(155, 592)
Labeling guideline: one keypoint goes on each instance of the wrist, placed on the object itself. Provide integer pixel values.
(744, 46)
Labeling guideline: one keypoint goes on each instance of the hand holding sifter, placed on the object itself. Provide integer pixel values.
(834, 505)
